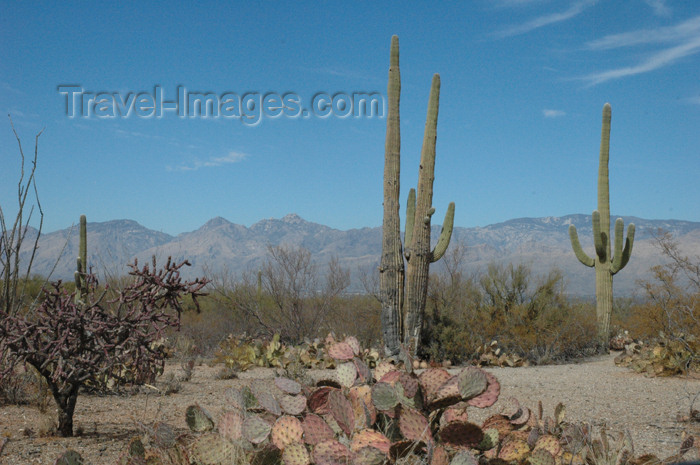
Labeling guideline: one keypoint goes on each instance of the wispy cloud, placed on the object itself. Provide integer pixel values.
(694, 100)
(548, 113)
(659, 6)
(682, 31)
(684, 39)
(545, 20)
(232, 157)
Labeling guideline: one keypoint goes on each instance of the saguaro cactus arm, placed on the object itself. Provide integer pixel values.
(445, 234)
(578, 250)
(622, 256)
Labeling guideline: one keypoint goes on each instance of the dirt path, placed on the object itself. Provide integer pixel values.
(599, 392)
(595, 391)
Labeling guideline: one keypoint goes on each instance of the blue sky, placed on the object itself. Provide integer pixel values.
(523, 86)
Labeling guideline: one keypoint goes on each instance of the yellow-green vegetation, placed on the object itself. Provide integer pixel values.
(530, 317)
(240, 354)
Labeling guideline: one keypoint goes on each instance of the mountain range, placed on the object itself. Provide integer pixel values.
(220, 245)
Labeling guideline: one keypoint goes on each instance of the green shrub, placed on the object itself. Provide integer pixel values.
(529, 317)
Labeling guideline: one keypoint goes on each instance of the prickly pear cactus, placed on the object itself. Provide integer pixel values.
(198, 419)
(383, 416)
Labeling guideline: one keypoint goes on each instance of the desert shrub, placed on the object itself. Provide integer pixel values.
(671, 297)
(187, 367)
(357, 315)
(668, 317)
(170, 384)
(663, 356)
(201, 332)
(530, 317)
(227, 372)
(74, 343)
(25, 386)
(17, 287)
(287, 296)
(29, 292)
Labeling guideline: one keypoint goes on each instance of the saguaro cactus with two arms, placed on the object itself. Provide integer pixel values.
(605, 262)
(398, 322)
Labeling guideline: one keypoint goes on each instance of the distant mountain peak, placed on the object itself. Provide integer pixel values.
(216, 222)
(293, 218)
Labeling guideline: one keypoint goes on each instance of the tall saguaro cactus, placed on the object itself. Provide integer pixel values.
(606, 263)
(391, 270)
(402, 320)
(81, 287)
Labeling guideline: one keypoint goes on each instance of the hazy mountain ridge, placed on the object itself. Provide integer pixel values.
(221, 245)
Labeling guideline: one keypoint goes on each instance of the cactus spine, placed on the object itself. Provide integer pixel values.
(401, 322)
(606, 263)
(81, 287)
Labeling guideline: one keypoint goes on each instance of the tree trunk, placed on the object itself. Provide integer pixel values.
(65, 400)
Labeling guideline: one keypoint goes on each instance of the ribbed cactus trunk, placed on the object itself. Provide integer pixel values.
(606, 264)
(81, 287)
(603, 276)
(603, 302)
(417, 241)
(392, 265)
